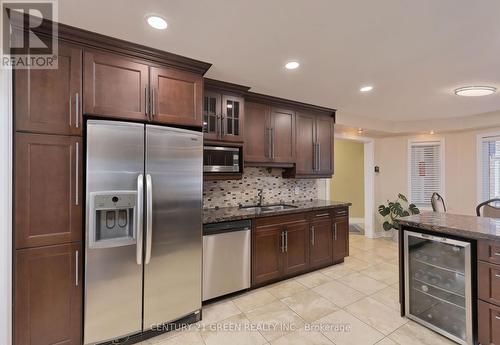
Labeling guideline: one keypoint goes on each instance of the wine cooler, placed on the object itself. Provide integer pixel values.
(438, 285)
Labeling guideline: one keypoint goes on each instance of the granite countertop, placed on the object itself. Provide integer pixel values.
(215, 215)
(453, 224)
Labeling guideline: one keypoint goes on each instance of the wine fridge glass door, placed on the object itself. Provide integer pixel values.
(438, 284)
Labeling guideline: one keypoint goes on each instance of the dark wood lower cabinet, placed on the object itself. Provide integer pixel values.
(267, 259)
(283, 246)
(48, 295)
(296, 247)
(488, 316)
(340, 238)
(321, 240)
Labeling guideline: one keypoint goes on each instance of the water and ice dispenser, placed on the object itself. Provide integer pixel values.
(112, 218)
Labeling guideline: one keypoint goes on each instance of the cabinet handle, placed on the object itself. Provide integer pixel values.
(497, 317)
(335, 231)
(322, 214)
(153, 102)
(146, 101)
(314, 156)
(286, 241)
(319, 156)
(312, 235)
(71, 107)
(497, 254)
(497, 275)
(76, 172)
(76, 268)
(272, 142)
(282, 241)
(77, 110)
(269, 153)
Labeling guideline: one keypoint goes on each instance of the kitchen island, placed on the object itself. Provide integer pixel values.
(453, 262)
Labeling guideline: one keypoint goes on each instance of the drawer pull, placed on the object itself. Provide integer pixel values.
(497, 254)
(497, 275)
(497, 317)
(322, 214)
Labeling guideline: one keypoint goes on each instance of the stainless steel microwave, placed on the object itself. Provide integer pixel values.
(221, 159)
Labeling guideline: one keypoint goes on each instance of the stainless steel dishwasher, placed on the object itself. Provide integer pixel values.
(226, 258)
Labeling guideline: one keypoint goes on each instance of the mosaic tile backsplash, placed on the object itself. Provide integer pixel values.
(275, 189)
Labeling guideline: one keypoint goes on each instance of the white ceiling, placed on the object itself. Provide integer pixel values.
(413, 52)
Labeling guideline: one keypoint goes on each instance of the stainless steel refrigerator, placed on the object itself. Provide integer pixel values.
(143, 253)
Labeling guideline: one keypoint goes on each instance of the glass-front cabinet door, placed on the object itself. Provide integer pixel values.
(211, 115)
(438, 284)
(232, 118)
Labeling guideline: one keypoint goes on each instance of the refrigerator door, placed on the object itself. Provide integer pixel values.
(173, 245)
(438, 284)
(113, 277)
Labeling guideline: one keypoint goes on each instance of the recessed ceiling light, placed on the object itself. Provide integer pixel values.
(292, 65)
(475, 91)
(366, 88)
(432, 132)
(360, 130)
(157, 22)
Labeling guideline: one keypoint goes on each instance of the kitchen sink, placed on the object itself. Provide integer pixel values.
(267, 208)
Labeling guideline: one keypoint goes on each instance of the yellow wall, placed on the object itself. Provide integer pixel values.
(348, 180)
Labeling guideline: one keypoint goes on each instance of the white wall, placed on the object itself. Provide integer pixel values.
(460, 169)
(5, 207)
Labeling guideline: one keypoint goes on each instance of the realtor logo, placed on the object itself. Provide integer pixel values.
(29, 34)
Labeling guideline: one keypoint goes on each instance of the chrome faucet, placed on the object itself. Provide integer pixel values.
(259, 194)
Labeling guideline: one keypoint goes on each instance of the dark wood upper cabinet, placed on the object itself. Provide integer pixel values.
(324, 139)
(321, 238)
(48, 295)
(282, 130)
(314, 146)
(296, 247)
(223, 111)
(306, 137)
(50, 100)
(48, 192)
(269, 135)
(212, 109)
(267, 259)
(115, 86)
(176, 97)
(256, 132)
(340, 238)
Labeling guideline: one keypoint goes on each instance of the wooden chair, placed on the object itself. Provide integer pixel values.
(490, 208)
(437, 203)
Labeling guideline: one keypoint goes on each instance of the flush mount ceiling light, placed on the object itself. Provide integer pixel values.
(366, 88)
(292, 65)
(475, 91)
(432, 132)
(360, 130)
(156, 21)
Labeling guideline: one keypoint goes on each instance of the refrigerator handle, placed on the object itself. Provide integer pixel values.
(139, 218)
(149, 218)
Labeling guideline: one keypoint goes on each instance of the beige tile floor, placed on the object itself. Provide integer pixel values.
(353, 303)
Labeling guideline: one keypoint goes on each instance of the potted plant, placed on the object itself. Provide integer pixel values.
(396, 209)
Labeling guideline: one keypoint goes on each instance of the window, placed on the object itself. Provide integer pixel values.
(489, 167)
(426, 171)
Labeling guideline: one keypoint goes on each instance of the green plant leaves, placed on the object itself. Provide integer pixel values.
(387, 226)
(396, 208)
(384, 210)
(402, 197)
(413, 209)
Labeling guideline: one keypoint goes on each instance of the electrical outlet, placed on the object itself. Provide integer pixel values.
(297, 190)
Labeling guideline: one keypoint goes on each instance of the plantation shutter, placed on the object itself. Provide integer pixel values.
(490, 152)
(425, 172)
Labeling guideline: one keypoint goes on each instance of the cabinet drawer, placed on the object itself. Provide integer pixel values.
(489, 282)
(340, 212)
(489, 251)
(280, 220)
(323, 214)
(488, 323)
